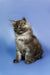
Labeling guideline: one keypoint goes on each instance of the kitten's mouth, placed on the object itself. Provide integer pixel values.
(20, 32)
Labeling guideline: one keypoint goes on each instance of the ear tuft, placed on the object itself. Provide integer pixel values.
(13, 22)
(24, 18)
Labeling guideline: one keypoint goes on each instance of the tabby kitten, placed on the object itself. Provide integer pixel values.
(27, 45)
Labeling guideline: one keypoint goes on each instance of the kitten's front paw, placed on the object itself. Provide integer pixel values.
(28, 62)
(16, 61)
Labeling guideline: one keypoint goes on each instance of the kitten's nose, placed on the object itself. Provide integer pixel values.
(19, 27)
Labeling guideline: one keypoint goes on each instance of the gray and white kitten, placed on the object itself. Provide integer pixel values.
(27, 45)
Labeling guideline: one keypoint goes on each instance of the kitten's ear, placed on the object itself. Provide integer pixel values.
(24, 18)
(13, 22)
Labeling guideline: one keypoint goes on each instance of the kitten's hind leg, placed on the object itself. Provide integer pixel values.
(39, 55)
(18, 58)
(28, 58)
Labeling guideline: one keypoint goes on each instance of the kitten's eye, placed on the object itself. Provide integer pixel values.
(17, 26)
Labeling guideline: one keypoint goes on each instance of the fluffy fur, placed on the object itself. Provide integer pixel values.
(27, 45)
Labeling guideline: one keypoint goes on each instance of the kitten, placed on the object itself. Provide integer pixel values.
(27, 45)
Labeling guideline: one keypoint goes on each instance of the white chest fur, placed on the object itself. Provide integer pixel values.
(21, 37)
(21, 45)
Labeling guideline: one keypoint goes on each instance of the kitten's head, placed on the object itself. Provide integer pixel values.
(19, 25)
